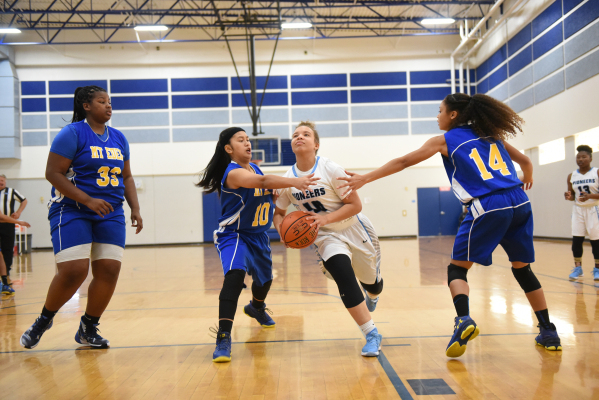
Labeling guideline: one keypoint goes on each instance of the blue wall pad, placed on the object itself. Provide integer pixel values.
(520, 61)
(33, 105)
(199, 84)
(500, 92)
(333, 130)
(197, 134)
(68, 87)
(379, 95)
(147, 135)
(318, 81)
(53, 135)
(429, 94)
(63, 104)
(378, 79)
(391, 111)
(580, 18)
(317, 114)
(281, 131)
(154, 118)
(59, 121)
(39, 138)
(519, 40)
(520, 81)
(587, 40)
(200, 100)
(547, 42)
(482, 70)
(242, 116)
(570, 4)
(270, 99)
(201, 117)
(483, 86)
(547, 18)
(33, 88)
(429, 77)
(34, 121)
(137, 102)
(552, 62)
(498, 77)
(138, 85)
(582, 70)
(430, 386)
(329, 97)
(425, 128)
(496, 59)
(549, 87)
(425, 110)
(274, 82)
(380, 128)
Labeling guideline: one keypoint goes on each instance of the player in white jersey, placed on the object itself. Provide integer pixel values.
(346, 243)
(583, 189)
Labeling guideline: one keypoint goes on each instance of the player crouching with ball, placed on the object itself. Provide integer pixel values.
(346, 243)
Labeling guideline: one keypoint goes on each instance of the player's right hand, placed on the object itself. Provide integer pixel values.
(99, 206)
(23, 223)
(568, 195)
(305, 182)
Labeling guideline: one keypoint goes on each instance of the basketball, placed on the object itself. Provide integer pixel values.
(296, 231)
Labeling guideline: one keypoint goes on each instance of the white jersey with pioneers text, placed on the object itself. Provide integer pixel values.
(585, 184)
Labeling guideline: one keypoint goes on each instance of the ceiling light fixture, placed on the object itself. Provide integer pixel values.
(437, 21)
(296, 25)
(151, 28)
(9, 30)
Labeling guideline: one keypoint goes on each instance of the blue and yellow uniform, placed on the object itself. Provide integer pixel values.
(241, 240)
(483, 177)
(97, 169)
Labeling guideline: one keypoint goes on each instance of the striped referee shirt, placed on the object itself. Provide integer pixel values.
(8, 197)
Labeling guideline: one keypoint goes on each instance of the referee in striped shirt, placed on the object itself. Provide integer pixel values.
(8, 198)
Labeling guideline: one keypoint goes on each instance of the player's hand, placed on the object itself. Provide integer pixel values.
(354, 182)
(527, 182)
(568, 195)
(275, 196)
(15, 215)
(584, 197)
(317, 219)
(23, 223)
(305, 182)
(278, 228)
(136, 221)
(99, 206)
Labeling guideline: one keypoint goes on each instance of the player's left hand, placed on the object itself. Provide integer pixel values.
(136, 221)
(584, 197)
(317, 220)
(15, 215)
(527, 182)
(354, 182)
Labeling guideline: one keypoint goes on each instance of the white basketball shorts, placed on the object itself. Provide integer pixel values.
(585, 221)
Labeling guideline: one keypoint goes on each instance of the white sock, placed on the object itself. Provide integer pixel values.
(368, 327)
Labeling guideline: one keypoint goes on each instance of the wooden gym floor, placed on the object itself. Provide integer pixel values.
(167, 298)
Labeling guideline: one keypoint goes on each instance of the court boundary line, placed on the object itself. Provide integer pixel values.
(399, 386)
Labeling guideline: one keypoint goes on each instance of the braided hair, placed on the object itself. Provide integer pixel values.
(83, 94)
(214, 172)
(489, 118)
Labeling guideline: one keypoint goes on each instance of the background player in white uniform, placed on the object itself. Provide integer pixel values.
(583, 189)
(347, 243)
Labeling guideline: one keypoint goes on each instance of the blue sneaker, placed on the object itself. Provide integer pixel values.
(548, 338)
(370, 303)
(596, 274)
(32, 336)
(222, 353)
(465, 329)
(373, 344)
(260, 314)
(576, 273)
(6, 289)
(88, 334)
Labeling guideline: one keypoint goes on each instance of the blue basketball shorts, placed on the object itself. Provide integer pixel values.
(247, 251)
(503, 218)
(70, 226)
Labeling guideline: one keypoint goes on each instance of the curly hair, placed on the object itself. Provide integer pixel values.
(83, 94)
(585, 148)
(489, 118)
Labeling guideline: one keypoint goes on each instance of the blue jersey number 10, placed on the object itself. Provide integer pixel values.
(261, 216)
(496, 163)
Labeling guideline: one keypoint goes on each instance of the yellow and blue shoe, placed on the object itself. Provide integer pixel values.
(222, 352)
(260, 314)
(548, 338)
(6, 289)
(465, 329)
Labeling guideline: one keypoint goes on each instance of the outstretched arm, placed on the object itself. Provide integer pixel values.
(243, 178)
(429, 148)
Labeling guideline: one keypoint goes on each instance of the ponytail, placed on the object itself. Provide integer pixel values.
(214, 172)
(83, 94)
(488, 118)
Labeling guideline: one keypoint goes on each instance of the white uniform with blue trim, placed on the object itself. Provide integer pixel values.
(354, 237)
(585, 214)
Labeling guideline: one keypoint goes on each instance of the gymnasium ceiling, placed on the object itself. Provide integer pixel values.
(112, 21)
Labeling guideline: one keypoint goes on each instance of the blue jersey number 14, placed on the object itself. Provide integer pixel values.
(496, 163)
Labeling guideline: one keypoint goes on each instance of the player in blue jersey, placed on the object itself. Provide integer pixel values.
(88, 167)
(478, 161)
(241, 239)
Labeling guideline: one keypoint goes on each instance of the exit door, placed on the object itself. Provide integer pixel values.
(438, 212)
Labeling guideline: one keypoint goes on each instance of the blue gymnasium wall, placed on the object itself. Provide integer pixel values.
(556, 51)
(196, 109)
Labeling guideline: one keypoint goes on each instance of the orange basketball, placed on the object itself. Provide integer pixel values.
(297, 232)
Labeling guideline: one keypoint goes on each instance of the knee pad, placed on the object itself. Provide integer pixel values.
(454, 272)
(577, 242)
(233, 285)
(375, 288)
(340, 268)
(526, 278)
(260, 292)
